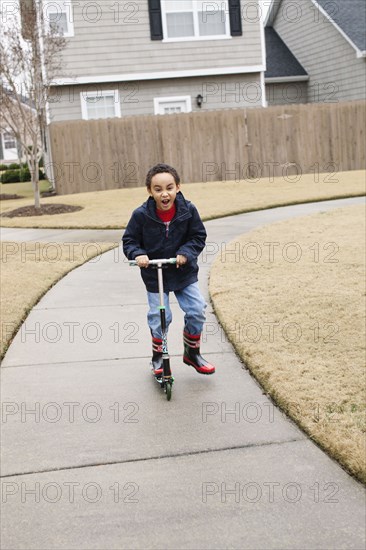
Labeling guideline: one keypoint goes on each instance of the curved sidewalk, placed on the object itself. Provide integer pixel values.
(95, 457)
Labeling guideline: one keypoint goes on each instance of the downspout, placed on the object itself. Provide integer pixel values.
(264, 63)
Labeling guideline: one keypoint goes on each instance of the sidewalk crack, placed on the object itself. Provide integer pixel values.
(157, 457)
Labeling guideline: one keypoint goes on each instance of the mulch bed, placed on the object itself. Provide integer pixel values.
(46, 209)
(7, 196)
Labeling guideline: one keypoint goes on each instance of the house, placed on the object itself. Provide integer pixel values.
(157, 57)
(11, 150)
(316, 51)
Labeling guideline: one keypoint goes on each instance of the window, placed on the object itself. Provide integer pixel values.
(59, 16)
(200, 19)
(9, 141)
(100, 104)
(8, 146)
(195, 19)
(172, 105)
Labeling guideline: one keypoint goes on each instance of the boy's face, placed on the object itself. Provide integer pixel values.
(164, 190)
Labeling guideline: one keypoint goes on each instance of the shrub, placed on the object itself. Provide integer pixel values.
(10, 176)
(24, 174)
(15, 176)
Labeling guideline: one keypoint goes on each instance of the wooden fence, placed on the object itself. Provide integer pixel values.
(236, 144)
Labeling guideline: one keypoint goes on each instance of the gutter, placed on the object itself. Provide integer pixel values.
(158, 75)
(284, 79)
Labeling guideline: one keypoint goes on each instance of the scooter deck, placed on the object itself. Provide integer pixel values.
(159, 377)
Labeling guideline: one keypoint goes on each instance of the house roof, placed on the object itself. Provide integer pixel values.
(281, 62)
(25, 100)
(348, 16)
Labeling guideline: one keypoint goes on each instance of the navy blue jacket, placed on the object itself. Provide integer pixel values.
(147, 234)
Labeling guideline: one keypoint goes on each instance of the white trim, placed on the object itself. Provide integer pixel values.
(263, 45)
(264, 63)
(265, 20)
(361, 54)
(197, 38)
(263, 88)
(274, 3)
(284, 79)
(327, 16)
(172, 99)
(100, 93)
(100, 79)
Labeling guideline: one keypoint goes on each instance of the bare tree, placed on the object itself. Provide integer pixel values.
(30, 58)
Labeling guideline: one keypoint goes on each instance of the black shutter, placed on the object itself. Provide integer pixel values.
(27, 18)
(235, 17)
(156, 26)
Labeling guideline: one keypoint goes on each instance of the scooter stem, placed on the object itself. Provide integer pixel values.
(161, 284)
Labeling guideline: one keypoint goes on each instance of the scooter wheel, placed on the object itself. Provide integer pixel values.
(168, 390)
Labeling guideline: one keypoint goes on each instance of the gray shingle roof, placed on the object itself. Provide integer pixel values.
(350, 16)
(280, 60)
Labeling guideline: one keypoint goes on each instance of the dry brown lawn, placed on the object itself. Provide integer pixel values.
(28, 270)
(294, 305)
(112, 209)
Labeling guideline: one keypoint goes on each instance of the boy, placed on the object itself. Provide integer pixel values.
(166, 226)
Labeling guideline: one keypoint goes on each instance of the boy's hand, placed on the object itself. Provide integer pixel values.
(181, 260)
(142, 261)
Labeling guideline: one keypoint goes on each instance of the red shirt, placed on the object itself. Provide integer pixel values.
(166, 215)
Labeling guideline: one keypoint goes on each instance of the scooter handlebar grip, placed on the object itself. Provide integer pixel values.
(152, 262)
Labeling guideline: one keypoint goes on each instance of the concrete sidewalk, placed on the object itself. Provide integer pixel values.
(95, 457)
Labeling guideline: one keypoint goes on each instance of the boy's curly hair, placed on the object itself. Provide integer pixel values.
(160, 169)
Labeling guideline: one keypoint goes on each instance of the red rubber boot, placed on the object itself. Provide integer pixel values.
(157, 357)
(192, 354)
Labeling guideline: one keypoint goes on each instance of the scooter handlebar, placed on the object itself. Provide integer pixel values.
(157, 262)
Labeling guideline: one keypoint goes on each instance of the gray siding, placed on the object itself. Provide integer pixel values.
(137, 98)
(287, 93)
(336, 74)
(112, 47)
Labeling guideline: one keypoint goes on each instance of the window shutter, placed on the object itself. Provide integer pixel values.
(235, 17)
(27, 18)
(156, 26)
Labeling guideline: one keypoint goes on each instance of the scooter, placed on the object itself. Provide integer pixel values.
(166, 380)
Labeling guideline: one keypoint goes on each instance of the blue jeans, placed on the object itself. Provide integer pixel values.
(190, 301)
